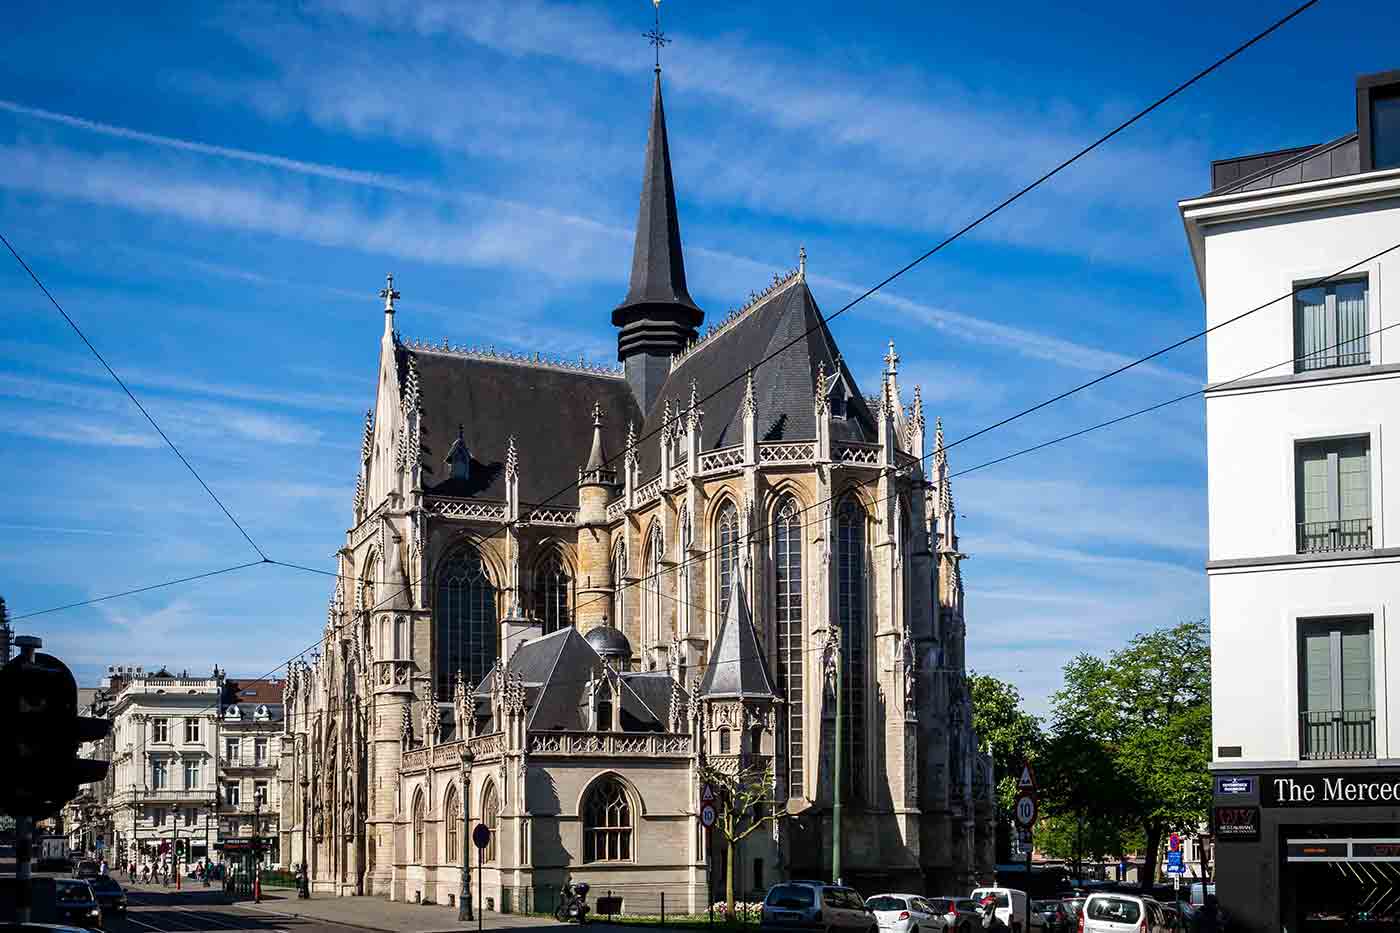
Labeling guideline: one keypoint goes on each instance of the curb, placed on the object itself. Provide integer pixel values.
(344, 923)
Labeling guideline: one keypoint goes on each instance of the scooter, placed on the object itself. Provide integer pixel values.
(572, 905)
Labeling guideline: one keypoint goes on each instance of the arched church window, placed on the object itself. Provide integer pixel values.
(619, 571)
(727, 536)
(554, 590)
(607, 822)
(490, 818)
(724, 746)
(466, 621)
(653, 609)
(452, 816)
(851, 610)
(418, 839)
(787, 616)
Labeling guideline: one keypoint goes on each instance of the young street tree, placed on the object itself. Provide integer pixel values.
(1148, 707)
(746, 805)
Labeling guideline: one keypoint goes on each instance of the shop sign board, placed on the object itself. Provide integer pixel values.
(1234, 786)
(1236, 824)
(1348, 789)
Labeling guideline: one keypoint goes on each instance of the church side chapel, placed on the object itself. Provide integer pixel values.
(567, 588)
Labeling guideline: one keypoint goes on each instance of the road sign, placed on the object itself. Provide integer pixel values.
(707, 815)
(1174, 843)
(707, 793)
(1027, 781)
(1026, 810)
(481, 836)
(1175, 866)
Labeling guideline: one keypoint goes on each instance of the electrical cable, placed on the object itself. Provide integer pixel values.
(142, 589)
(129, 394)
(968, 227)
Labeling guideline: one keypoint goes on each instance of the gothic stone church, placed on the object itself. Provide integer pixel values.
(575, 586)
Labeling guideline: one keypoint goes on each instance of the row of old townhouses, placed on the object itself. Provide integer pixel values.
(566, 588)
(194, 769)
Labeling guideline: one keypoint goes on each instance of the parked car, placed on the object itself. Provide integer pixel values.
(960, 914)
(1013, 909)
(1123, 913)
(1057, 919)
(110, 895)
(87, 868)
(903, 913)
(815, 905)
(76, 905)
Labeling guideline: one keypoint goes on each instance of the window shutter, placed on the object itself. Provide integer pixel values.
(1351, 324)
(1312, 483)
(1312, 339)
(1317, 671)
(1356, 669)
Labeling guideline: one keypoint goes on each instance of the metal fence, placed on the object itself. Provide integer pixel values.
(640, 904)
(1352, 534)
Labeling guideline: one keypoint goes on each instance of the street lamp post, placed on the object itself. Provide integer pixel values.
(305, 890)
(132, 855)
(208, 848)
(257, 847)
(464, 896)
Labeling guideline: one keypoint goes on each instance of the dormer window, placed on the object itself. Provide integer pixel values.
(459, 458)
(1378, 120)
(260, 713)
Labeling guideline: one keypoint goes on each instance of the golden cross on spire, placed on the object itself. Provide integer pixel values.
(656, 36)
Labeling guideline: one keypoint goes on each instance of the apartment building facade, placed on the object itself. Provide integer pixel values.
(250, 750)
(1302, 419)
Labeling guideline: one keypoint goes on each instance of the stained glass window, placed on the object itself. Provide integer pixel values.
(787, 616)
(553, 589)
(851, 615)
(727, 535)
(466, 621)
(607, 823)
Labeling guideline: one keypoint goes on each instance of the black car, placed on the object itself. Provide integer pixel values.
(76, 905)
(110, 896)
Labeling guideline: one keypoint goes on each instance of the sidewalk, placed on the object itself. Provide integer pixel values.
(376, 913)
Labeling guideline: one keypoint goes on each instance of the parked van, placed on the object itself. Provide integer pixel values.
(1013, 909)
(1123, 913)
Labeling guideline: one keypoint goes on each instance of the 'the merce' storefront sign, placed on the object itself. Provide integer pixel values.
(1379, 788)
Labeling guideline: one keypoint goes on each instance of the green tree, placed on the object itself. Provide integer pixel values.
(1084, 802)
(1014, 737)
(1148, 707)
(746, 805)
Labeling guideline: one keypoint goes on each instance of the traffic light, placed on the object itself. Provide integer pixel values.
(41, 734)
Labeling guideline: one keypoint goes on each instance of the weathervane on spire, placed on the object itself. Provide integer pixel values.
(656, 36)
(388, 293)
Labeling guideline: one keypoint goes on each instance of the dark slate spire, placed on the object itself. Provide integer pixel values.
(658, 317)
(736, 668)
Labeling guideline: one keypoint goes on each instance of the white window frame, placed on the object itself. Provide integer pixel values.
(192, 730)
(1288, 516)
(260, 750)
(160, 731)
(233, 793)
(192, 774)
(260, 793)
(160, 774)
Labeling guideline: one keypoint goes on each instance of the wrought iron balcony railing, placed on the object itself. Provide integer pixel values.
(1328, 734)
(1351, 534)
(1324, 359)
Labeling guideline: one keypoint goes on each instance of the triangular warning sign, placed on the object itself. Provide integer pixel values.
(707, 794)
(1027, 781)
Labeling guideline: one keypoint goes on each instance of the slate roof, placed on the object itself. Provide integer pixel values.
(736, 667)
(1287, 166)
(556, 670)
(548, 409)
(784, 387)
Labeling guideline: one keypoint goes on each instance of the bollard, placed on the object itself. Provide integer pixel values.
(663, 908)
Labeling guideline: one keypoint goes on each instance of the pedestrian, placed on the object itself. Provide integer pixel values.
(102, 869)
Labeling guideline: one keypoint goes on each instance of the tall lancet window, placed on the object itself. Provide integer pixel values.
(653, 606)
(727, 536)
(851, 614)
(787, 618)
(619, 574)
(553, 590)
(466, 621)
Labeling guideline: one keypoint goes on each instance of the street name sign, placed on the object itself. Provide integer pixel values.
(1026, 810)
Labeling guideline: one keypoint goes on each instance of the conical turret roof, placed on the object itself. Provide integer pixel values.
(736, 668)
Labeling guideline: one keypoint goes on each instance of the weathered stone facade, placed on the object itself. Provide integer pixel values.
(761, 487)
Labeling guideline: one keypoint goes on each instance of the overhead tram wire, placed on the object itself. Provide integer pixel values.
(973, 224)
(141, 589)
(131, 395)
(1313, 282)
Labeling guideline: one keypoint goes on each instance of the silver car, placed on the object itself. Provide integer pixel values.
(815, 906)
(903, 913)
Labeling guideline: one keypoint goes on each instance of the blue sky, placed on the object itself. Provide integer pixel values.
(216, 194)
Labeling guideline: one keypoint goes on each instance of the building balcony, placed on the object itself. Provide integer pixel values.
(1333, 359)
(1329, 734)
(246, 761)
(1352, 534)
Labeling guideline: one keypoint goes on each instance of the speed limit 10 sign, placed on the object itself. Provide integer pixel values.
(1026, 810)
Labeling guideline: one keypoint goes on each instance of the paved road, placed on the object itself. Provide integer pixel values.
(205, 911)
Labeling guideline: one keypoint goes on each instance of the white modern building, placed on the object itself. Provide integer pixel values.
(1303, 437)
(164, 770)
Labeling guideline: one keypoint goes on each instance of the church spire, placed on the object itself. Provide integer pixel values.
(658, 317)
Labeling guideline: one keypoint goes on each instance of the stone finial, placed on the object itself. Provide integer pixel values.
(820, 389)
(512, 463)
(597, 414)
(891, 361)
(750, 401)
(631, 453)
(666, 419)
(367, 445)
(406, 731)
(802, 261)
(389, 294)
(831, 655)
(432, 719)
(917, 412)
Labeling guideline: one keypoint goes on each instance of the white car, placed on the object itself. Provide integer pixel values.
(1013, 909)
(1123, 913)
(903, 913)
